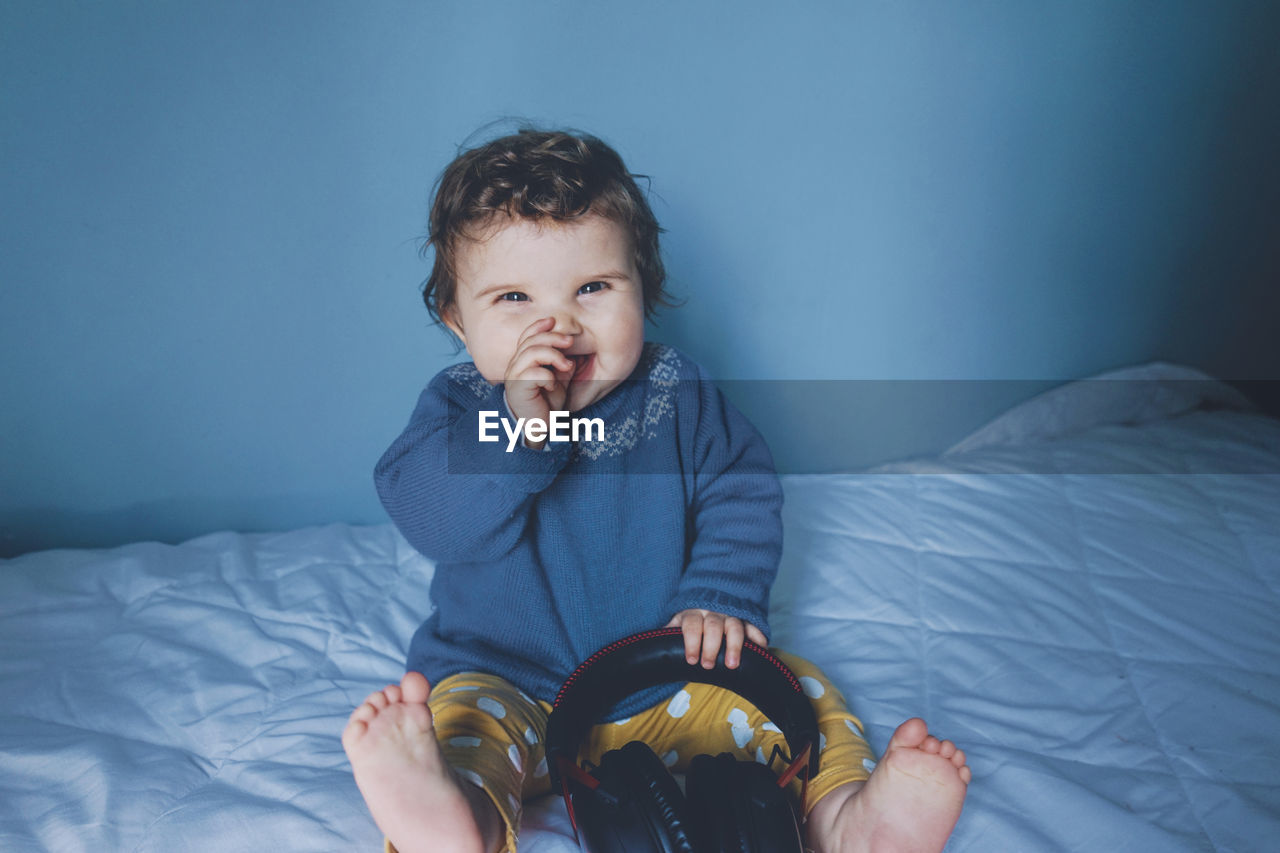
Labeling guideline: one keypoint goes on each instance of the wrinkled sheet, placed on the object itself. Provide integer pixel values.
(1105, 646)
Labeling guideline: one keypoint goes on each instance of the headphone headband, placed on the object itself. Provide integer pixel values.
(657, 657)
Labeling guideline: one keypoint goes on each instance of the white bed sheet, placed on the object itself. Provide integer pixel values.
(1105, 647)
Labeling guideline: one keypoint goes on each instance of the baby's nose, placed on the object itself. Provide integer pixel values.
(566, 324)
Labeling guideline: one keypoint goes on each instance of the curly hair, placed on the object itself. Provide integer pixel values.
(537, 174)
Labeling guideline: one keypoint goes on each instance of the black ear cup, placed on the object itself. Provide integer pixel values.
(738, 807)
(638, 807)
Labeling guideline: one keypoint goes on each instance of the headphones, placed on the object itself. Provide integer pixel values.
(630, 803)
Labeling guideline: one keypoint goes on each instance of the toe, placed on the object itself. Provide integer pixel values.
(965, 774)
(947, 749)
(414, 688)
(353, 732)
(419, 715)
(377, 699)
(392, 692)
(931, 745)
(364, 713)
(958, 759)
(910, 734)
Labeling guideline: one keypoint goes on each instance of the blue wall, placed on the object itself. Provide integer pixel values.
(211, 213)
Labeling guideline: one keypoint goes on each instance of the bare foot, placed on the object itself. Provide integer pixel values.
(909, 805)
(415, 798)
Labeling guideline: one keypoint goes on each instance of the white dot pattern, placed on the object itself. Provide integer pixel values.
(742, 733)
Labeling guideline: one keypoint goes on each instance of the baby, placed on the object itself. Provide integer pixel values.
(664, 511)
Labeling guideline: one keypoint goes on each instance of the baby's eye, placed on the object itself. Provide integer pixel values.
(513, 296)
(592, 287)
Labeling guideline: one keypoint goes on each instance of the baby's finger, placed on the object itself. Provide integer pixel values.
(538, 357)
(531, 384)
(756, 636)
(542, 324)
(733, 635)
(535, 396)
(550, 340)
(712, 636)
(540, 330)
(691, 626)
(541, 350)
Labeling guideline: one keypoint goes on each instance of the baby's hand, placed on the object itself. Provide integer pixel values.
(704, 629)
(537, 376)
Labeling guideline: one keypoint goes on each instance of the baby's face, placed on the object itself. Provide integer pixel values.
(581, 274)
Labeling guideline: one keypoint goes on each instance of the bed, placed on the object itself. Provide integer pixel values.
(1084, 595)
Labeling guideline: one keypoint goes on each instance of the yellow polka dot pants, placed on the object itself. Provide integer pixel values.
(491, 733)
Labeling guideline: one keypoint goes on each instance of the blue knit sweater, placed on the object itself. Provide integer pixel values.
(542, 557)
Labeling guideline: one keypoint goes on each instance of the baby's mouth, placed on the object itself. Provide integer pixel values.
(582, 366)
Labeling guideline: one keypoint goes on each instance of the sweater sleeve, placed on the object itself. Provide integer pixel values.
(453, 496)
(735, 517)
